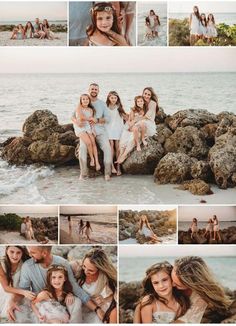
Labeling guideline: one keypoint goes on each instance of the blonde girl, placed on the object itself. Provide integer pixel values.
(105, 30)
(146, 230)
(82, 120)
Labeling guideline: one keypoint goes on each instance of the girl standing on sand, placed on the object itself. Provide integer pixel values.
(29, 30)
(154, 23)
(88, 230)
(115, 126)
(81, 226)
(146, 230)
(216, 228)
(194, 25)
(209, 228)
(104, 30)
(49, 305)
(203, 27)
(211, 28)
(10, 269)
(193, 227)
(84, 130)
(160, 302)
(29, 233)
(98, 277)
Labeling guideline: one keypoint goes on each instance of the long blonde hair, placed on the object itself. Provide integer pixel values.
(194, 273)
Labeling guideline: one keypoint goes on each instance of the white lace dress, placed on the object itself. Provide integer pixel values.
(53, 311)
(146, 231)
(196, 311)
(4, 296)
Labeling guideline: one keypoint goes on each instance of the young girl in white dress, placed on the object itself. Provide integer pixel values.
(211, 28)
(10, 269)
(98, 277)
(49, 305)
(193, 227)
(87, 231)
(154, 23)
(161, 303)
(104, 30)
(146, 230)
(203, 27)
(209, 228)
(148, 34)
(115, 126)
(216, 228)
(84, 113)
(194, 25)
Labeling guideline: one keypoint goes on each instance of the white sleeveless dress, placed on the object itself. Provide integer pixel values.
(146, 231)
(216, 226)
(195, 25)
(209, 227)
(4, 296)
(53, 310)
(115, 126)
(163, 317)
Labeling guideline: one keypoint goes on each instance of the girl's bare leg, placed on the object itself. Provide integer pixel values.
(113, 170)
(117, 148)
(87, 140)
(143, 133)
(214, 235)
(94, 152)
(136, 138)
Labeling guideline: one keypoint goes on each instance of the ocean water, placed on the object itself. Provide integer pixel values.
(227, 18)
(184, 226)
(133, 269)
(103, 218)
(160, 9)
(23, 22)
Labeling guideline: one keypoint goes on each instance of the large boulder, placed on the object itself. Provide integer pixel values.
(188, 140)
(145, 161)
(196, 187)
(173, 168)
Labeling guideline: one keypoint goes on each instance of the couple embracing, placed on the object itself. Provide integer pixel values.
(179, 293)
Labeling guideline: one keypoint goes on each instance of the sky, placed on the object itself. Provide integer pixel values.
(224, 213)
(113, 59)
(33, 209)
(209, 6)
(173, 250)
(11, 11)
(91, 209)
(147, 207)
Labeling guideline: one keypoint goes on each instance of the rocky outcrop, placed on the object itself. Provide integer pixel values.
(45, 227)
(130, 293)
(196, 187)
(228, 236)
(162, 223)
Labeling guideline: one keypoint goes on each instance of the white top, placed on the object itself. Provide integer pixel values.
(195, 24)
(163, 317)
(196, 311)
(115, 126)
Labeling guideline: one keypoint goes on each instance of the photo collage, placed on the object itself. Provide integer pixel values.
(118, 162)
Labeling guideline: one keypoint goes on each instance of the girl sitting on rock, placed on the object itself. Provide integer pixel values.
(49, 305)
(194, 228)
(209, 228)
(146, 230)
(84, 130)
(161, 303)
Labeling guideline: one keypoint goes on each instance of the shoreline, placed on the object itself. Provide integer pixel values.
(12, 237)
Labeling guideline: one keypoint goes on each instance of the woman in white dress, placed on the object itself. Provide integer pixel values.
(194, 25)
(127, 142)
(216, 228)
(98, 277)
(10, 269)
(154, 22)
(160, 302)
(146, 230)
(209, 228)
(115, 126)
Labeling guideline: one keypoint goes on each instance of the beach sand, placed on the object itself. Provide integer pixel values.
(167, 239)
(7, 237)
(6, 41)
(101, 233)
(62, 186)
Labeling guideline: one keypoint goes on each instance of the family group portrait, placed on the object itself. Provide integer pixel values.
(207, 225)
(202, 24)
(147, 224)
(161, 286)
(88, 224)
(102, 23)
(152, 23)
(33, 24)
(29, 224)
(58, 285)
(100, 138)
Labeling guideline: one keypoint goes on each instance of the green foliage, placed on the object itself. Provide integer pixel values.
(179, 34)
(10, 222)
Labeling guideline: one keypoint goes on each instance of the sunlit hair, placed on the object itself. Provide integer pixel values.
(66, 288)
(99, 7)
(150, 294)
(118, 103)
(197, 13)
(7, 262)
(203, 20)
(145, 221)
(194, 273)
(90, 105)
(107, 275)
(136, 108)
(212, 18)
(153, 96)
(31, 26)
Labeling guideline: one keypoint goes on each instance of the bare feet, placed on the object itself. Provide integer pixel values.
(138, 148)
(98, 166)
(113, 170)
(118, 173)
(83, 177)
(121, 158)
(144, 142)
(107, 177)
(92, 163)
